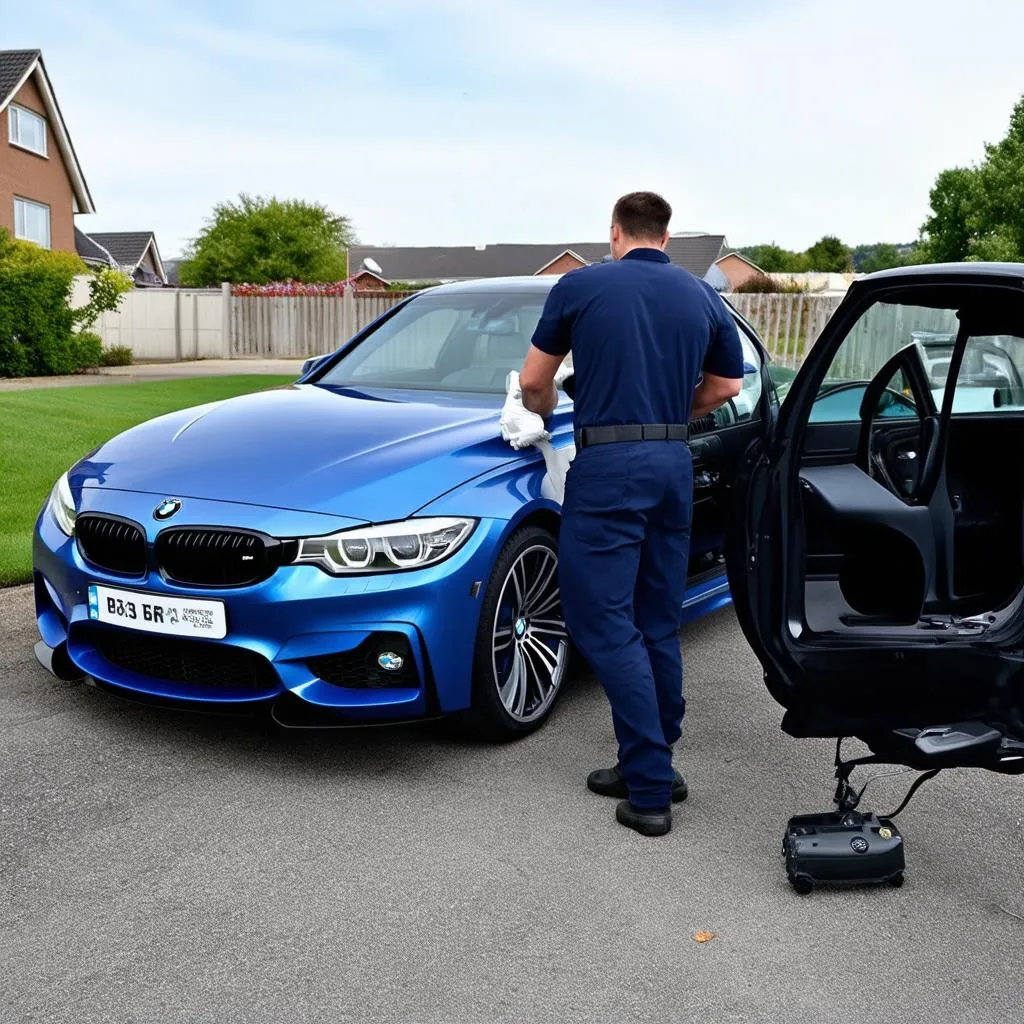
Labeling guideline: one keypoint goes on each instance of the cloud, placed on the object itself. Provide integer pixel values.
(463, 122)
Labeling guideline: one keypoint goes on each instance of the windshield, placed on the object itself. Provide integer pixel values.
(445, 342)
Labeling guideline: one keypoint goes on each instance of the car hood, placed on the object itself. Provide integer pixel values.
(371, 455)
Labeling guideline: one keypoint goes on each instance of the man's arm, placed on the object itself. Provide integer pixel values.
(723, 362)
(537, 379)
(550, 346)
(713, 392)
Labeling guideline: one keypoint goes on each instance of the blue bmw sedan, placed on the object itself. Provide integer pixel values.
(360, 546)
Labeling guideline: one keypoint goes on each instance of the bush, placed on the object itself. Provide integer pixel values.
(105, 291)
(763, 283)
(86, 350)
(36, 322)
(117, 355)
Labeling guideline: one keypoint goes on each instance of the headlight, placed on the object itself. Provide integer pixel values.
(62, 506)
(388, 547)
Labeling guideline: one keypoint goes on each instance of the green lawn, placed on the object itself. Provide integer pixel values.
(45, 430)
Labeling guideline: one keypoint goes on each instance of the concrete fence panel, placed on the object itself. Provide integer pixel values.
(162, 323)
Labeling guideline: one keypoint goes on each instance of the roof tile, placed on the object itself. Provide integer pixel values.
(13, 65)
(127, 247)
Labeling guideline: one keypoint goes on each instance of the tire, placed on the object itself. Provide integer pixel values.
(522, 651)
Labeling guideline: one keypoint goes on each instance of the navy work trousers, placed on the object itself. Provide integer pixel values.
(623, 553)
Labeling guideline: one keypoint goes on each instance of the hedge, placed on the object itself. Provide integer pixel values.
(37, 325)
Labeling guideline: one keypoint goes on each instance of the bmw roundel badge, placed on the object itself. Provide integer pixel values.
(166, 508)
(390, 662)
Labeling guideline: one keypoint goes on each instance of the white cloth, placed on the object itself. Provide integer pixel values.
(557, 464)
(519, 426)
(522, 428)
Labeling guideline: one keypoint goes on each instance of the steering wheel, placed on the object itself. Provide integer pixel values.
(869, 460)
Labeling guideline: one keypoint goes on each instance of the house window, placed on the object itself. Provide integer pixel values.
(27, 129)
(32, 222)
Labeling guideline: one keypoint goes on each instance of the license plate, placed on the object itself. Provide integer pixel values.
(155, 613)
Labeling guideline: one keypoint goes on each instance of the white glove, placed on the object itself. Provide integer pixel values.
(519, 426)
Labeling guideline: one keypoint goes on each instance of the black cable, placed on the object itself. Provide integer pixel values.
(918, 783)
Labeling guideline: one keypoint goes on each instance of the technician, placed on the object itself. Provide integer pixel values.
(652, 348)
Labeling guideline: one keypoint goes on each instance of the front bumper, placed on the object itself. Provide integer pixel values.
(277, 629)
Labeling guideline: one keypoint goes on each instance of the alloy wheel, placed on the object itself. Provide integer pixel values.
(530, 645)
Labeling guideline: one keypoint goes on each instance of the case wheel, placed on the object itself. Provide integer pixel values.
(801, 885)
(896, 881)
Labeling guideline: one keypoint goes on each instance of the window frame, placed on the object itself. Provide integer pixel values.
(14, 114)
(48, 244)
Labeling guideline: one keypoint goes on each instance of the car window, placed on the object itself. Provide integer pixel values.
(882, 330)
(445, 341)
(744, 407)
(990, 378)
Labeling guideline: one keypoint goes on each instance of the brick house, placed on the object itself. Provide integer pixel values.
(696, 251)
(41, 182)
(737, 269)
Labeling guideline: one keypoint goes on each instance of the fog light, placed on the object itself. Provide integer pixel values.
(384, 660)
(390, 662)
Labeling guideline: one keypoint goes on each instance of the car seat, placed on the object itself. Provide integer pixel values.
(494, 356)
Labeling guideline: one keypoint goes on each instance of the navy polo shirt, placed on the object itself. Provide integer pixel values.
(641, 332)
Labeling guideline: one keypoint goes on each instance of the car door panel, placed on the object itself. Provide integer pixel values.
(913, 646)
(718, 442)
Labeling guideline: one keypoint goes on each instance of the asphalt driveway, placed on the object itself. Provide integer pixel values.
(160, 867)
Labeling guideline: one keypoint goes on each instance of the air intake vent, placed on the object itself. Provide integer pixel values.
(174, 660)
(705, 424)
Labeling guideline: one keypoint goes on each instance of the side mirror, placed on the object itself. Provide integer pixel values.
(569, 385)
(312, 363)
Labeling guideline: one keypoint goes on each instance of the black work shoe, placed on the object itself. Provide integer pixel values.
(644, 820)
(609, 782)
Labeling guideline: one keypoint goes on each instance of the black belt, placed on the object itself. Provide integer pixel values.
(586, 436)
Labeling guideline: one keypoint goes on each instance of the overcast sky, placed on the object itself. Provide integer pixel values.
(471, 121)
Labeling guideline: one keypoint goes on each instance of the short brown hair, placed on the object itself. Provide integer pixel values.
(642, 215)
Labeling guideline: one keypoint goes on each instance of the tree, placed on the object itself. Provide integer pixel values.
(259, 240)
(977, 213)
(884, 256)
(773, 259)
(946, 233)
(829, 255)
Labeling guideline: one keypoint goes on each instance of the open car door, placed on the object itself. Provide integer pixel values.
(876, 554)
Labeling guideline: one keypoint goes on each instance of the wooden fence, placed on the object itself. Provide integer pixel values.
(293, 326)
(788, 323)
(214, 323)
(303, 325)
